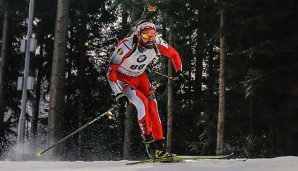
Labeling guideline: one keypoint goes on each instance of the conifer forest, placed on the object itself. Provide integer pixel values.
(239, 58)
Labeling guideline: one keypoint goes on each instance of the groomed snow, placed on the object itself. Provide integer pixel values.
(288, 163)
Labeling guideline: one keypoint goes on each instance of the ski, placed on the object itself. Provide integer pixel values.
(176, 159)
(162, 160)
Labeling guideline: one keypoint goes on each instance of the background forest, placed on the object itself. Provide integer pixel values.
(261, 78)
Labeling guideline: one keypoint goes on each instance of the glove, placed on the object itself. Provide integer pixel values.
(181, 79)
(122, 100)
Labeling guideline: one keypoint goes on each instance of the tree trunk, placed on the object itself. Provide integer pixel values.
(2, 71)
(128, 131)
(130, 113)
(124, 24)
(56, 112)
(125, 126)
(68, 107)
(35, 111)
(170, 94)
(198, 72)
(251, 114)
(82, 62)
(221, 109)
(211, 76)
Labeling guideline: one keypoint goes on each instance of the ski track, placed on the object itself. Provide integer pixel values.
(289, 163)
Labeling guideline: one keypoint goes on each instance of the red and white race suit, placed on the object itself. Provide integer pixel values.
(127, 75)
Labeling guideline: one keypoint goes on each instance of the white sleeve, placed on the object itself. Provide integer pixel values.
(114, 87)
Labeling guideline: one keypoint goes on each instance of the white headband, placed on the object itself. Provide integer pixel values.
(145, 25)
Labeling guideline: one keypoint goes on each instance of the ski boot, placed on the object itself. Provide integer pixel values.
(161, 149)
(156, 148)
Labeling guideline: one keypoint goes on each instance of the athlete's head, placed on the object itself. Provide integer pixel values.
(146, 32)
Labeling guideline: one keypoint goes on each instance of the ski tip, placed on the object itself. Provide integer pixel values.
(38, 154)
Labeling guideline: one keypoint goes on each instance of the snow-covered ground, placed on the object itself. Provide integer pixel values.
(288, 163)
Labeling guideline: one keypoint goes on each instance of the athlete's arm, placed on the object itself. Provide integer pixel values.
(167, 50)
(120, 53)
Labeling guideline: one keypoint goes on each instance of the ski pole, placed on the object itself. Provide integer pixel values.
(172, 78)
(76, 131)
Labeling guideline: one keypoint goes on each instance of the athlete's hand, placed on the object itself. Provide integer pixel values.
(181, 79)
(122, 100)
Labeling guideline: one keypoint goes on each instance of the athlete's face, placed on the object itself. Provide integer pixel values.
(147, 38)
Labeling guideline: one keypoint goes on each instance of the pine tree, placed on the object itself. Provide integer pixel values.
(57, 113)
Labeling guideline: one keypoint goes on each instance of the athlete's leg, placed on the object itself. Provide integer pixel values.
(139, 93)
(156, 126)
(140, 101)
(155, 144)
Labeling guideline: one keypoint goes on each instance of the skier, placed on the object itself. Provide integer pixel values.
(128, 80)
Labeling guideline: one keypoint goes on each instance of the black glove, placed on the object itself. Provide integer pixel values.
(181, 79)
(122, 100)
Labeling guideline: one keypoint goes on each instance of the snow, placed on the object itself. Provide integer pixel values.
(288, 163)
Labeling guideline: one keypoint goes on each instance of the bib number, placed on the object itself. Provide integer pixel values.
(139, 67)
